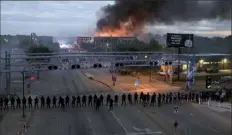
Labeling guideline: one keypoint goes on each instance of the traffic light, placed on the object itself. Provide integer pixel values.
(119, 65)
(97, 65)
(168, 63)
(154, 63)
(52, 67)
(75, 66)
(208, 82)
(32, 78)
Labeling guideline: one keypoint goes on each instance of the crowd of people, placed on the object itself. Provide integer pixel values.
(146, 99)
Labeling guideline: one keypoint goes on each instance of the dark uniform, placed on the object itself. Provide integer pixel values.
(1, 103)
(29, 102)
(136, 98)
(24, 101)
(12, 101)
(48, 102)
(123, 99)
(95, 99)
(98, 103)
(111, 104)
(36, 102)
(108, 99)
(84, 101)
(141, 97)
(54, 102)
(153, 98)
(73, 101)
(90, 100)
(78, 101)
(129, 98)
(159, 99)
(42, 101)
(67, 101)
(116, 99)
(6, 101)
(101, 99)
(18, 100)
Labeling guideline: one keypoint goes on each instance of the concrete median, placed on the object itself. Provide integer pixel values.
(90, 76)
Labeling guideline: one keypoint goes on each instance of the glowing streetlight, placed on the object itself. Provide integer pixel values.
(145, 56)
(225, 60)
(201, 61)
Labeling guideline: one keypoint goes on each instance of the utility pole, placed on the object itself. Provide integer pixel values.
(9, 73)
(6, 68)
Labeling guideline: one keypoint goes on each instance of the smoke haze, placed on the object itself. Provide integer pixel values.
(132, 15)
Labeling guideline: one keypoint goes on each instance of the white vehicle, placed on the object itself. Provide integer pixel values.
(161, 72)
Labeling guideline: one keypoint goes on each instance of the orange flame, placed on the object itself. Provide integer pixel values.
(126, 29)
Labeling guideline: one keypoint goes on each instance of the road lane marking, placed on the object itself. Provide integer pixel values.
(191, 114)
(119, 121)
(145, 133)
(212, 128)
(138, 129)
(89, 120)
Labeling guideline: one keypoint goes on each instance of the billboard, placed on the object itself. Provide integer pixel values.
(180, 40)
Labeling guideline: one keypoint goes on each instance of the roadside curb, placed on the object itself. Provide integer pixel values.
(92, 78)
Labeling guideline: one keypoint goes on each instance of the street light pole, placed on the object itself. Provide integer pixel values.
(23, 75)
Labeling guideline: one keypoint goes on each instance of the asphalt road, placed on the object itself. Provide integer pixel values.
(126, 120)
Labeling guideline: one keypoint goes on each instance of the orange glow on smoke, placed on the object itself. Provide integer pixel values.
(132, 26)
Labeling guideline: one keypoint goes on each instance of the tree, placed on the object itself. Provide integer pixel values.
(34, 50)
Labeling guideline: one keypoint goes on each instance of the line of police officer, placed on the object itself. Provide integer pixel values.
(110, 100)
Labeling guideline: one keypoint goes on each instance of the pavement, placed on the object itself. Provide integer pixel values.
(127, 83)
(123, 120)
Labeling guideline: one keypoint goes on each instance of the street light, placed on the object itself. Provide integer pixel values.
(224, 61)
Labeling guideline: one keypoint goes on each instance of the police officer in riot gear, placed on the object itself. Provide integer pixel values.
(136, 98)
(1, 103)
(18, 101)
(123, 99)
(129, 98)
(12, 101)
(148, 98)
(116, 99)
(42, 101)
(6, 101)
(95, 99)
(24, 102)
(108, 99)
(36, 102)
(90, 100)
(101, 99)
(73, 101)
(60, 102)
(167, 98)
(29, 102)
(153, 99)
(111, 104)
(141, 97)
(159, 99)
(67, 100)
(84, 101)
(54, 102)
(48, 101)
(98, 103)
(78, 101)
(163, 98)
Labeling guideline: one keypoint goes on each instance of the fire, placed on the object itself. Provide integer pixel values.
(126, 28)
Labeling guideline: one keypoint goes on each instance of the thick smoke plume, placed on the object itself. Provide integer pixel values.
(128, 17)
